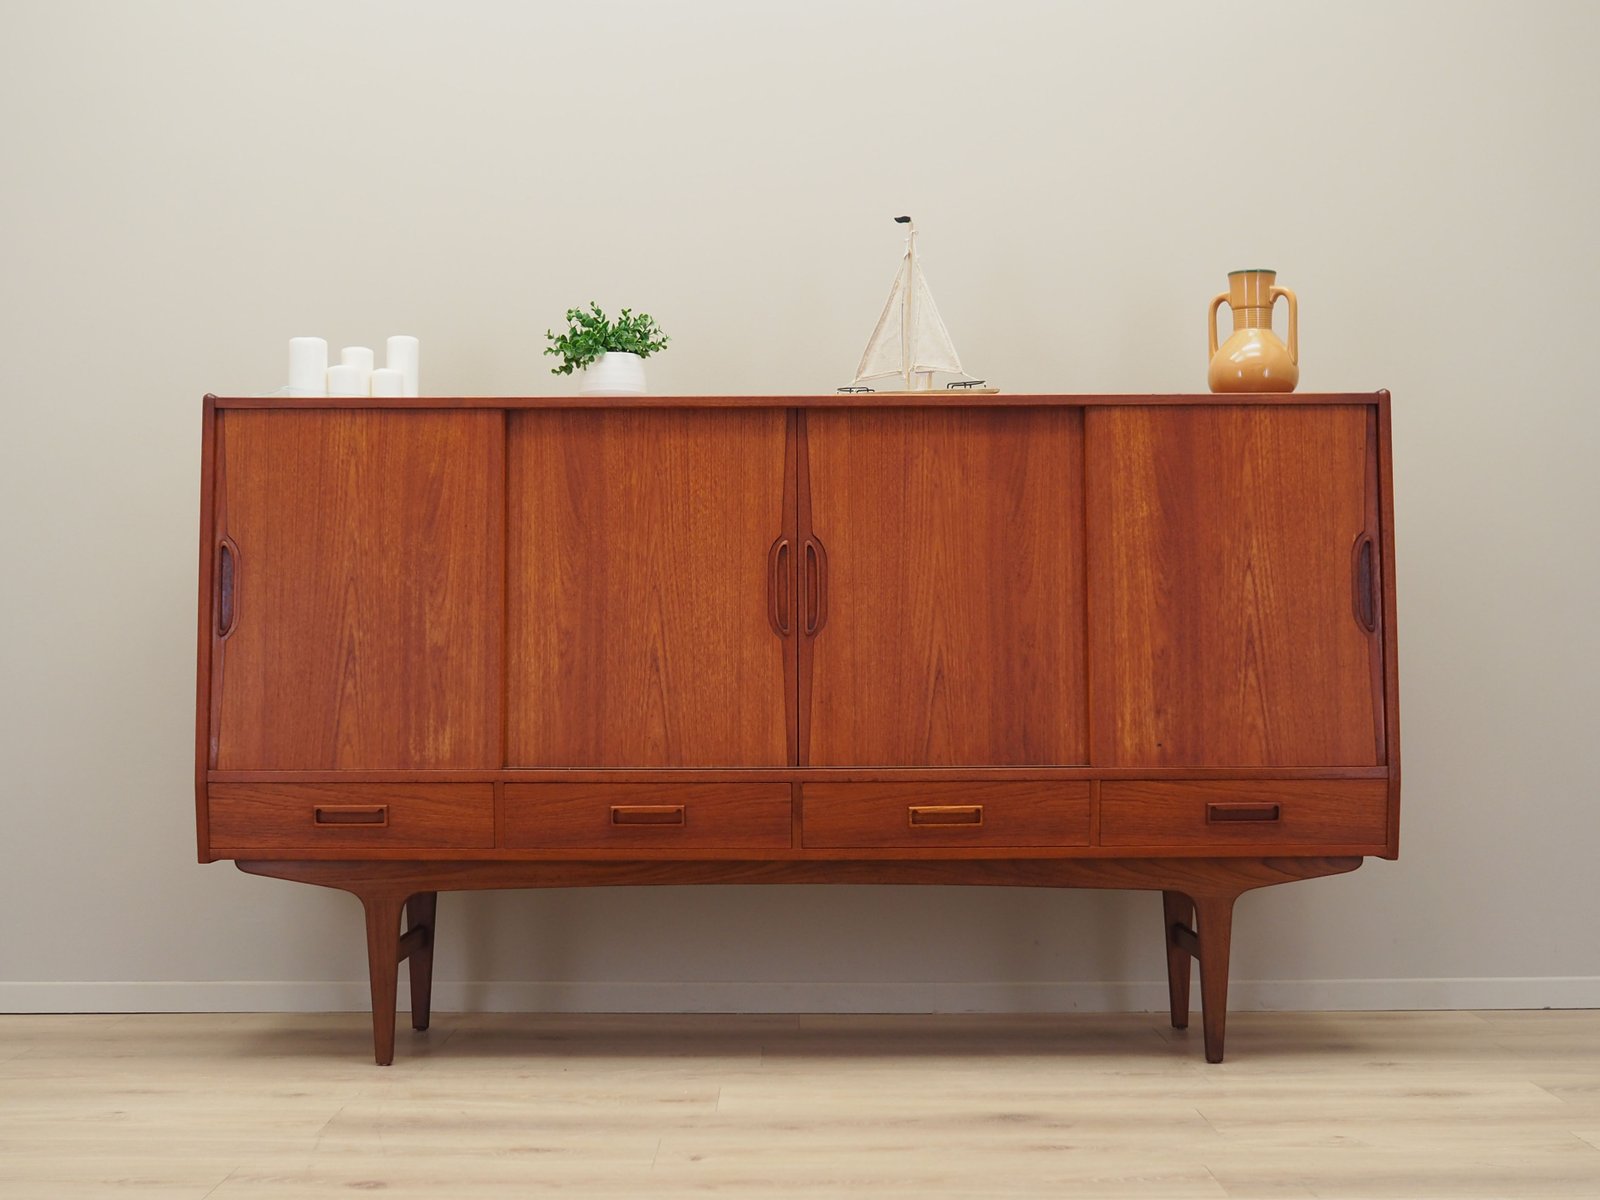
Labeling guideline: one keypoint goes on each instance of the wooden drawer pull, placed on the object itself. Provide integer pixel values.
(648, 814)
(350, 814)
(945, 814)
(1223, 811)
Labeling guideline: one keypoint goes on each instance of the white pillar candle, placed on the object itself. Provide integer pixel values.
(402, 353)
(308, 366)
(357, 356)
(387, 381)
(345, 379)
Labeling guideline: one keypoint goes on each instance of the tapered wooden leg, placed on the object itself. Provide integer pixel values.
(383, 966)
(421, 912)
(1215, 918)
(1212, 885)
(1178, 910)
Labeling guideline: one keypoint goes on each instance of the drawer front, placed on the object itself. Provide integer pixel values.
(294, 816)
(913, 815)
(1245, 813)
(647, 816)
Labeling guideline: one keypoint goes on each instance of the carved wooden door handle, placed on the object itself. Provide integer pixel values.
(780, 571)
(1363, 581)
(814, 586)
(227, 586)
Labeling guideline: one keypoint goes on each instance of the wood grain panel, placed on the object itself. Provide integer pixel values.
(1223, 626)
(944, 814)
(666, 816)
(366, 590)
(954, 623)
(260, 816)
(1207, 814)
(638, 576)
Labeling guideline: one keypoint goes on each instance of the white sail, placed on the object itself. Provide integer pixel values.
(894, 349)
(931, 348)
(885, 352)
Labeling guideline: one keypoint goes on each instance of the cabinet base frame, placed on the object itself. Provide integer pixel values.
(1198, 889)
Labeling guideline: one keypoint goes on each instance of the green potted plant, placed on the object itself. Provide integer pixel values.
(610, 353)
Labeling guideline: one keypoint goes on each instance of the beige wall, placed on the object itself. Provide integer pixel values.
(186, 185)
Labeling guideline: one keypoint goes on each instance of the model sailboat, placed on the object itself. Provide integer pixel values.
(911, 340)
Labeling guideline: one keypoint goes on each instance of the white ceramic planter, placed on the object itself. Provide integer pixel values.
(615, 373)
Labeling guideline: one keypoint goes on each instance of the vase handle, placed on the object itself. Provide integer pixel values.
(1217, 302)
(1294, 321)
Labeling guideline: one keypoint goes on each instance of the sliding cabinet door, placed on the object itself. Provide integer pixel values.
(942, 587)
(1234, 584)
(650, 588)
(359, 576)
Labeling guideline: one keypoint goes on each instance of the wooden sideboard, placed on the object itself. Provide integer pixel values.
(1041, 641)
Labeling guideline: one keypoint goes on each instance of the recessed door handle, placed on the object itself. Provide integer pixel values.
(1363, 581)
(814, 586)
(780, 579)
(227, 586)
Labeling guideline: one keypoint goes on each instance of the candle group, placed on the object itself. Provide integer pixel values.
(354, 373)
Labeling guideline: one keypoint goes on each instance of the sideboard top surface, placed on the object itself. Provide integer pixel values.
(931, 399)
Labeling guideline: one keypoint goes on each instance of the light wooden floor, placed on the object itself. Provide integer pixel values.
(1358, 1105)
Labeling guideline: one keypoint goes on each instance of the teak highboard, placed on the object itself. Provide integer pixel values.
(1041, 641)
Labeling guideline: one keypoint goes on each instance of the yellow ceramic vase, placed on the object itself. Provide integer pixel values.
(1253, 359)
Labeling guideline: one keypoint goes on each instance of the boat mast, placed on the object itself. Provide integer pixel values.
(907, 326)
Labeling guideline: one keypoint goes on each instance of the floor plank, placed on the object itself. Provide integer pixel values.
(1308, 1104)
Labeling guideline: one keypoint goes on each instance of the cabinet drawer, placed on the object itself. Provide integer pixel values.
(647, 816)
(1245, 813)
(843, 815)
(294, 816)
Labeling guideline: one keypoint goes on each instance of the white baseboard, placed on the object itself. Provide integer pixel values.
(1286, 995)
